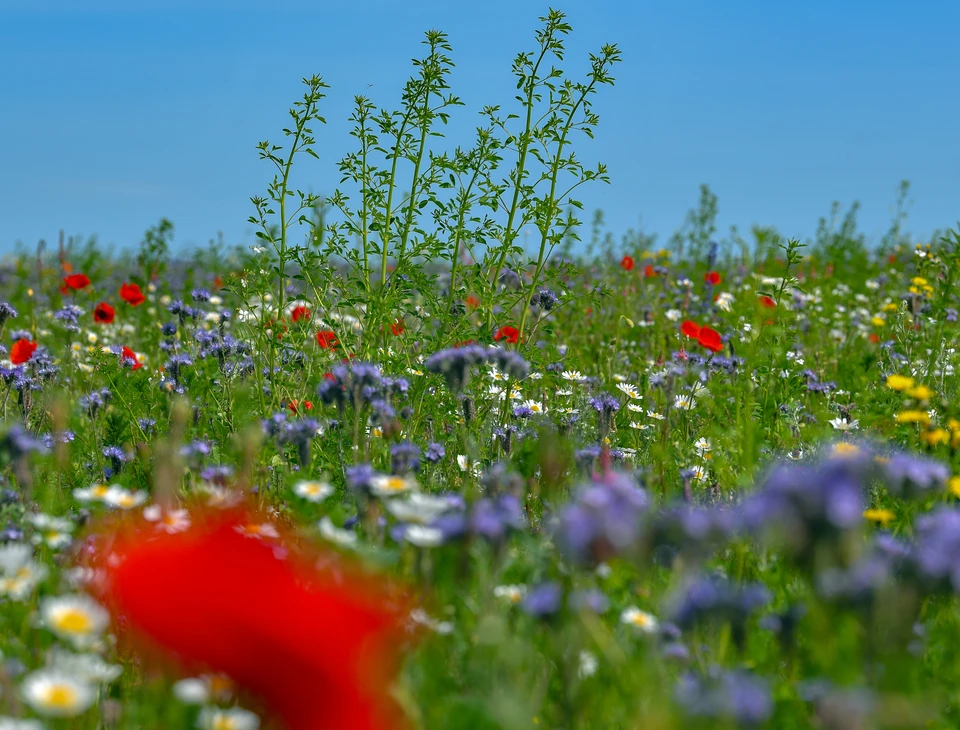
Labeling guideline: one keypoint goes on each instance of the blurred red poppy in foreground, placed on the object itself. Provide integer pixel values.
(317, 648)
(626, 263)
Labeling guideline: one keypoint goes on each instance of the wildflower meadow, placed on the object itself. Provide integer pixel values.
(439, 451)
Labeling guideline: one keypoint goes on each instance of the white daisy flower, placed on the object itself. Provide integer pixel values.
(574, 376)
(313, 491)
(673, 314)
(724, 301)
(629, 390)
(423, 536)
(635, 407)
(384, 485)
(536, 406)
(644, 622)
(77, 618)
(233, 718)
(337, 535)
(93, 493)
(53, 693)
(698, 472)
(19, 573)
(89, 667)
(655, 415)
(702, 445)
(417, 508)
(260, 530)
(683, 402)
(510, 593)
(170, 521)
(844, 424)
(121, 498)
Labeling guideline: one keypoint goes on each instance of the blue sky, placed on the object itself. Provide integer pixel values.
(114, 114)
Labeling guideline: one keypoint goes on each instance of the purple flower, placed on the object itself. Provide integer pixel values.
(736, 695)
(910, 476)
(405, 456)
(435, 452)
(543, 600)
(604, 519)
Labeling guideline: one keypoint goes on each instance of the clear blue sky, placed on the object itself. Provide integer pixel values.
(113, 114)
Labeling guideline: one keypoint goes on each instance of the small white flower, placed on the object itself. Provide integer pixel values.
(170, 521)
(121, 498)
(56, 694)
(588, 664)
(635, 407)
(655, 415)
(423, 536)
(234, 718)
(334, 534)
(574, 376)
(89, 667)
(641, 620)
(77, 618)
(683, 402)
(93, 493)
(629, 390)
(422, 618)
(510, 593)
(843, 424)
(259, 530)
(673, 314)
(564, 391)
(384, 485)
(19, 574)
(698, 472)
(312, 491)
(418, 508)
(535, 406)
(702, 445)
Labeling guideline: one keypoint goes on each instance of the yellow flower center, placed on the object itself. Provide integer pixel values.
(73, 621)
(61, 695)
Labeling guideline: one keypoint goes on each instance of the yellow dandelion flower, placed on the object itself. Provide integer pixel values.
(918, 281)
(889, 307)
(935, 436)
(913, 417)
(878, 321)
(881, 516)
(899, 382)
(954, 486)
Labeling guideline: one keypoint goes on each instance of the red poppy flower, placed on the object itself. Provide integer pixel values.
(892, 259)
(690, 329)
(327, 339)
(316, 647)
(464, 343)
(509, 333)
(649, 271)
(712, 277)
(74, 282)
(397, 328)
(131, 294)
(710, 339)
(22, 351)
(767, 302)
(295, 405)
(300, 312)
(128, 354)
(626, 263)
(473, 302)
(874, 337)
(218, 282)
(104, 313)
